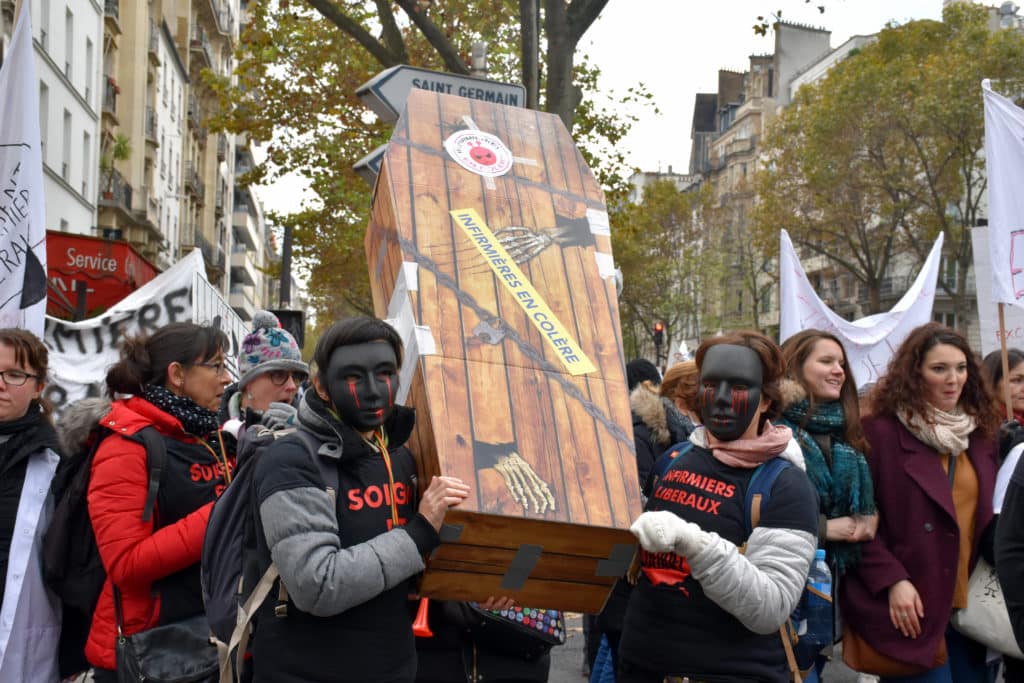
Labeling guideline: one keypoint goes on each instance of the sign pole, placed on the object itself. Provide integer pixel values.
(1006, 364)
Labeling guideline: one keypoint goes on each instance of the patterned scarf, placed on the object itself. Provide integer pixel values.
(947, 433)
(195, 419)
(845, 488)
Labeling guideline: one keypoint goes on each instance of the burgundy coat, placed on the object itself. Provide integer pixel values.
(918, 538)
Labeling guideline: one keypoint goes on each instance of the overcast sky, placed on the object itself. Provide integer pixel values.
(676, 48)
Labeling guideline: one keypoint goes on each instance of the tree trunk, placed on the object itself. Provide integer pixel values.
(560, 93)
(529, 16)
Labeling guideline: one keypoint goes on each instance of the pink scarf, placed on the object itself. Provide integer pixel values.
(750, 453)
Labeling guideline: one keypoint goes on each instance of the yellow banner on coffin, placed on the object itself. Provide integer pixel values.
(566, 349)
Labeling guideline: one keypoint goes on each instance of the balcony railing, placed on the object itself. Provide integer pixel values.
(112, 8)
(154, 43)
(225, 19)
(218, 205)
(151, 127)
(193, 182)
(200, 45)
(110, 96)
(193, 111)
(213, 254)
(116, 190)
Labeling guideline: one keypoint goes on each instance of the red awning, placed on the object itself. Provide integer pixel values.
(111, 269)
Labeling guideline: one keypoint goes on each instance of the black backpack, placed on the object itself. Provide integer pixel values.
(235, 579)
(71, 560)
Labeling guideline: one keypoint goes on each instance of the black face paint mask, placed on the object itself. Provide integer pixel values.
(362, 382)
(731, 378)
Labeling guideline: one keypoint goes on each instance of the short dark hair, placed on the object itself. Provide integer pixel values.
(639, 370)
(145, 359)
(350, 331)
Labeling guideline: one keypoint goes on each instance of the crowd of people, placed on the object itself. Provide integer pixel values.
(752, 459)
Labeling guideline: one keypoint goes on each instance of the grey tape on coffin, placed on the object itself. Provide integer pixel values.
(450, 533)
(522, 564)
(618, 560)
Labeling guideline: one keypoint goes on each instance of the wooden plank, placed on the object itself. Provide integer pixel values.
(556, 537)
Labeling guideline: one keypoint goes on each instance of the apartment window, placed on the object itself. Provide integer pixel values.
(947, 319)
(65, 158)
(950, 270)
(69, 41)
(86, 148)
(88, 71)
(44, 110)
(64, 227)
(44, 23)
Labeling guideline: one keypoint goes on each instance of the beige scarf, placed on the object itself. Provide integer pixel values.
(947, 433)
(748, 453)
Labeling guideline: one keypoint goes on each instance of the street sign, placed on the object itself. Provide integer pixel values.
(386, 92)
(369, 166)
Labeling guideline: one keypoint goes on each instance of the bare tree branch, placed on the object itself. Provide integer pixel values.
(331, 12)
(581, 14)
(452, 59)
(390, 34)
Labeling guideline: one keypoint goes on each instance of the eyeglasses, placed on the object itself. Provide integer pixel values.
(279, 377)
(218, 367)
(16, 378)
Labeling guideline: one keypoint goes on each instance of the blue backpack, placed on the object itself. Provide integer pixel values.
(759, 490)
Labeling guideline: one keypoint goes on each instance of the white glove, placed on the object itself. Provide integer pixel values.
(664, 532)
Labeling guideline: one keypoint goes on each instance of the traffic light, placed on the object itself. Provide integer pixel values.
(659, 333)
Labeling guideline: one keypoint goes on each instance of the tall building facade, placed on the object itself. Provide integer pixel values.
(127, 151)
(67, 37)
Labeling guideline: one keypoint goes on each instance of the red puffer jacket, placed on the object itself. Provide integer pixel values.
(133, 553)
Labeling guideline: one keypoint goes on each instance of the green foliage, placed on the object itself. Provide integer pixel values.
(297, 74)
(666, 270)
(886, 151)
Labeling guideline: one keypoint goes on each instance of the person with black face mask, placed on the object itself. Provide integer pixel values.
(346, 563)
(702, 608)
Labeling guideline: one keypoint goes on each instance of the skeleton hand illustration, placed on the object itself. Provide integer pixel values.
(522, 244)
(526, 487)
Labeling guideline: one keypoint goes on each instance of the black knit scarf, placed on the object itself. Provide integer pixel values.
(195, 419)
(29, 433)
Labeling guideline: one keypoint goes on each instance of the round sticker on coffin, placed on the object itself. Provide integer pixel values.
(479, 152)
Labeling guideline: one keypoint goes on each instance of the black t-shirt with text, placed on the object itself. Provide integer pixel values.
(670, 625)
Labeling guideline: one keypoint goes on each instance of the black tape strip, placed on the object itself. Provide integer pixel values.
(522, 564)
(617, 562)
(450, 533)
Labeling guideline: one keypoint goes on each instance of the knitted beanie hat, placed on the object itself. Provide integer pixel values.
(268, 347)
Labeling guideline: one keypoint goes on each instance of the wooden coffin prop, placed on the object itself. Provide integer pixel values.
(489, 251)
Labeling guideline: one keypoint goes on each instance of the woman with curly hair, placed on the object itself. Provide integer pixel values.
(933, 458)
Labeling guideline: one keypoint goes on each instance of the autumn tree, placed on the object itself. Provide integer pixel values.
(886, 151)
(300, 63)
(659, 244)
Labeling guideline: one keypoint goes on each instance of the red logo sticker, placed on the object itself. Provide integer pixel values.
(479, 152)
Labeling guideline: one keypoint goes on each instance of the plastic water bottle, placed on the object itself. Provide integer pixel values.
(815, 610)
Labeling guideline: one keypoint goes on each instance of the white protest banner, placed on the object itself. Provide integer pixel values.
(869, 342)
(22, 210)
(209, 308)
(1004, 159)
(988, 315)
(82, 352)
